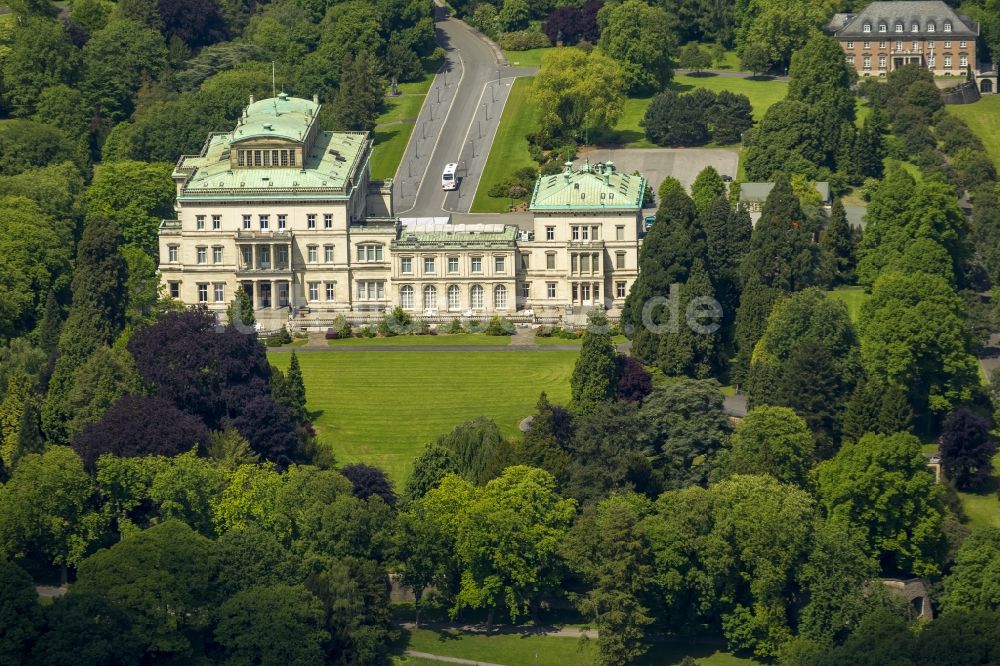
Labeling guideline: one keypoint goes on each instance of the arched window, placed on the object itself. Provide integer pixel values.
(406, 297)
(453, 297)
(430, 297)
(477, 296)
(500, 297)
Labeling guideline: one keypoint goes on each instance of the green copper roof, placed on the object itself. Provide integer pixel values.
(280, 117)
(590, 188)
(456, 234)
(335, 158)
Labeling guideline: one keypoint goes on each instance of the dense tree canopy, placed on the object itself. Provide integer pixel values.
(642, 39)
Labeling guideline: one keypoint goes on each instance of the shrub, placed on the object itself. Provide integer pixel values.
(499, 326)
(396, 322)
(522, 40)
(332, 334)
(456, 327)
(278, 338)
(366, 331)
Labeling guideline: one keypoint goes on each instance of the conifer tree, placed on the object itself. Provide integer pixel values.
(848, 158)
(756, 301)
(296, 390)
(96, 316)
(781, 253)
(837, 244)
(360, 93)
(240, 311)
(706, 187)
(869, 146)
(877, 407)
(51, 324)
(813, 385)
(29, 436)
(595, 374)
(727, 235)
(692, 348)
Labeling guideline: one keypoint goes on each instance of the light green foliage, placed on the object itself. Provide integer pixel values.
(240, 311)
(914, 335)
(186, 488)
(91, 14)
(707, 186)
(272, 625)
(691, 56)
(882, 485)
(820, 77)
(609, 547)
(595, 374)
(163, 577)
(774, 441)
(19, 392)
(41, 55)
(230, 449)
(473, 445)
(123, 484)
(507, 540)
(106, 375)
(136, 196)
(780, 27)
(425, 553)
(55, 189)
(143, 286)
(34, 258)
(117, 60)
(20, 614)
(642, 39)
(974, 582)
(514, 15)
(283, 31)
(577, 92)
(251, 497)
(44, 508)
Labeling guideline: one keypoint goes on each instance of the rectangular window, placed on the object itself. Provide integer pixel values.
(930, 43)
(267, 158)
(962, 44)
(576, 291)
(550, 233)
(452, 264)
(314, 291)
(477, 264)
(595, 233)
(220, 292)
(575, 235)
(330, 291)
(963, 60)
(525, 289)
(550, 261)
(584, 235)
(282, 258)
(311, 254)
(597, 291)
(328, 220)
(620, 232)
(881, 62)
(525, 261)
(867, 61)
(370, 291)
(574, 264)
(947, 62)
(550, 289)
(265, 222)
(247, 253)
(866, 28)
(498, 264)
(203, 292)
(428, 265)
(947, 44)
(406, 265)
(172, 253)
(311, 221)
(256, 158)
(217, 255)
(274, 158)
(850, 60)
(284, 158)
(930, 61)
(619, 290)
(868, 45)
(199, 222)
(947, 27)
(931, 27)
(882, 43)
(282, 222)
(882, 27)
(216, 222)
(175, 289)
(246, 222)
(239, 158)
(899, 27)
(850, 44)
(291, 157)
(620, 260)
(328, 254)
(584, 263)
(201, 253)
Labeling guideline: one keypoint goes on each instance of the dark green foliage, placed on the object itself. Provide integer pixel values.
(820, 78)
(642, 39)
(814, 386)
(359, 95)
(41, 55)
(86, 628)
(239, 314)
(473, 445)
(967, 447)
(788, 140)
(289, 390)
(781, 253)
(727, 235)
(693, 119)
(730, 117)
(756, 302)
(432, 465)
(117, 60)
(595, 374)
(837, 243)
(548, 438)
(876, 407)
(26, 145)
(973, 583)
(691, 344)
(960, 638)
(773, 441)
(20, 614)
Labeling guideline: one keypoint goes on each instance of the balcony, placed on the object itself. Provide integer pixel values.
(585, 245)
(170, 227)
(264, 236)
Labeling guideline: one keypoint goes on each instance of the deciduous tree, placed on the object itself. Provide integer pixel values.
(974, 581)
(20, 614)
(773, 441)
(136, 196)
(577, 93)
(642, 38)
(967, 448)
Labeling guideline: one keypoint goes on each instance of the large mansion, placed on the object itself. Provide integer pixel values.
(886, 35)
(288, 212)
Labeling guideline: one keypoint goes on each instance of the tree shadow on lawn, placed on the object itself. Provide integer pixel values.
(702, 75)
(673, 649)
(385, 136)
(760, 77)
(616, 138)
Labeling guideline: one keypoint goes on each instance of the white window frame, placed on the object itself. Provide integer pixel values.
(430, 297)
(430, 265)
(199, 222)
(499, 264)
(328, 254)
(476, 264)
(201, 254)
(867, 27)
(172, 254)
(454, 297)
(216, 222)
(476, 296)
(331, 291)
(203, 292)
(550, 289)
(219, 291)
(216, 254)
(550, 233)
(310, 220)
(328, 220)
(500, 297)
(452, 265)
(406, 265)
(312, 254)
(406, 297)
(313, 289)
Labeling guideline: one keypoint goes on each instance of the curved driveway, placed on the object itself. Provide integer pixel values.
(456, 123)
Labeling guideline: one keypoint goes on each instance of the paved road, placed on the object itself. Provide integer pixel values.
(456, 124)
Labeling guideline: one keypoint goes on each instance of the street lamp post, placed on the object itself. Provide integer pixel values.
(486, 111)
(473, 145)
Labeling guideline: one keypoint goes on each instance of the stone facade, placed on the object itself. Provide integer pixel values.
(289, 213)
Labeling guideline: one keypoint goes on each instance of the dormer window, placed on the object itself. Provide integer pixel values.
(899, 27)
(947, 27)
(882, 27)
(914, 28)
(867, 27)
(930, 27)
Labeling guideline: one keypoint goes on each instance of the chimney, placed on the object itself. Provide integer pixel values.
(567, 170)
(315, 99)
(251, 99)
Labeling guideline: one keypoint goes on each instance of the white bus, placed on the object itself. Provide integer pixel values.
(449, 181)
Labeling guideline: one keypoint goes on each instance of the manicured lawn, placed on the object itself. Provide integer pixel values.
(853, 297)
(983, 118)
(618, 339)
(529, 58)
(762, 95)
(510, 147)
(382, 407)
(532, 650)
(396, 122)
(465, 339)
(983, 509)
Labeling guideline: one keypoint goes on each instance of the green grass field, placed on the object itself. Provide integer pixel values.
(853, 297)
(396, 122)
(533, 650)
(618, 339)
(382, 407)
(464, 339)
(529, 58)
(510, 148)
(983, 118)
